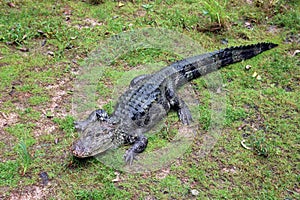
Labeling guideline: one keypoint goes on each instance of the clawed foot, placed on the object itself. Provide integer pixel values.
(129, 156)
(79, 125)
(138, 147)
(185, 116)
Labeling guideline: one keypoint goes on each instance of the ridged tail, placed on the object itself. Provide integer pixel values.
(194, 67)
(236, 54)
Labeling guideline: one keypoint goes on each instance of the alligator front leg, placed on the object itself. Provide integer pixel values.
(179, 105)
(100, 115)
(138, 147)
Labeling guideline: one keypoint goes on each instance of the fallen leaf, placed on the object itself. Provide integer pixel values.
(295, 52)
(120, 4)
(56, 141)
(24, 49)
(244, 145)
(11, 4)
(117, 179)
(248, 25)
(50, 53)
(254, 74)
(40, 32)
(258, 77)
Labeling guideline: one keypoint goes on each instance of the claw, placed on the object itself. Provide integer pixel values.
(138, 147)
(129, 156)
(185, 116)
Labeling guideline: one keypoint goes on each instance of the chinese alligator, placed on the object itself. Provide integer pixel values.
(148, 100)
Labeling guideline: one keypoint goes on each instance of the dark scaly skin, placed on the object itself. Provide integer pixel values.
(148, 100)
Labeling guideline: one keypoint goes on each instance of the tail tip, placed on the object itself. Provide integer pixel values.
(269, 45)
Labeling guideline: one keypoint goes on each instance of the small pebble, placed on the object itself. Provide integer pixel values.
(195, 192)
(44, 177)
(248, 67)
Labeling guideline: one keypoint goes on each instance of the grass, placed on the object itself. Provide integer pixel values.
(216, 12)
(43, 46)
(25, 158)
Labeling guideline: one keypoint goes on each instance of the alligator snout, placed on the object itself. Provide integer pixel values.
(77, 149)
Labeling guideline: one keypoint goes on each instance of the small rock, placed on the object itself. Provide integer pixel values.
(224, 41)
(248, 67)
(195, 192)
(13, 89)
(44, 43)
(288, 89)
(44, 177)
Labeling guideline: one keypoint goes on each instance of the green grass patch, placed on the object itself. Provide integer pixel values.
(66, 124)
(108, 191)
(37, 100)
(23, 132)
(9, 174)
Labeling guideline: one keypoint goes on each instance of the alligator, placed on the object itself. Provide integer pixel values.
(148, 100)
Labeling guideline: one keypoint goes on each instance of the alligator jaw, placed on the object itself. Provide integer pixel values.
(91, 144)
(78, 150)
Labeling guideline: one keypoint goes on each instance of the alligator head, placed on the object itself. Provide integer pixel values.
(96, 137)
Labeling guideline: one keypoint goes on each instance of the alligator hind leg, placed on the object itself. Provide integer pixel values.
(100, 115)
(179, 105)
(183, 111)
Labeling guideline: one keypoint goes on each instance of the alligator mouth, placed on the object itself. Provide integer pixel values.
(78, 150)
